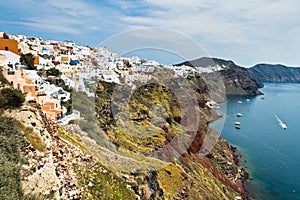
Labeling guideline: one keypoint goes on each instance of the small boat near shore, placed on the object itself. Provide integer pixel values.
(237, 127)
(213, 105)
(237, 123)
(239, 114)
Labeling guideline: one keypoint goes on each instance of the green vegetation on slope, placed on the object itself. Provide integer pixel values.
(11, 98)
(143, 121)
(11, 143)
(152, 109)
(97, 182)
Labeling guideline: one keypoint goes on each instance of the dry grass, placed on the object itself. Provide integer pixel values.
(34, 139)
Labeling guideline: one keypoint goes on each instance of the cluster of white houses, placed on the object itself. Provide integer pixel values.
(78, 65)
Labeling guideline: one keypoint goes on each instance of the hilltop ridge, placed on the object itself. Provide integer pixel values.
(237, 80)
(276, 73)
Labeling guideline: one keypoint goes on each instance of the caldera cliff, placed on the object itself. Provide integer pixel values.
(276, 73)
(237, 80)
(98, 158)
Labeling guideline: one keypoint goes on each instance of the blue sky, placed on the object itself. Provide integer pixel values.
(248, 31)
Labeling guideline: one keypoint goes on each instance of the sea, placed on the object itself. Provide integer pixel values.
(270, 153)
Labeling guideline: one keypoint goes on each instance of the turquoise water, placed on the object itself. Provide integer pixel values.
(272, 153)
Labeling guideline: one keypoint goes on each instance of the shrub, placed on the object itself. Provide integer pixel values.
(53, 72)
(3, 79)
(11, 98)
(28, 60)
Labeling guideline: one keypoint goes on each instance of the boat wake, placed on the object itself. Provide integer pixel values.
(281, 123)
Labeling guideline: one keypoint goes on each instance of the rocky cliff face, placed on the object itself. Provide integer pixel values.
(276, 73)
(237, 80)
(62, 162)
(191, 175)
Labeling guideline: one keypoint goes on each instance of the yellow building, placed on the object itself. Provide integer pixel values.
(64, 59)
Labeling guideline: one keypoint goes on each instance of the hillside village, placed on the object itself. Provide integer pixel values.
(77, 66)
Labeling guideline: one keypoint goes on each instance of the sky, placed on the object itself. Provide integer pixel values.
(247, 32)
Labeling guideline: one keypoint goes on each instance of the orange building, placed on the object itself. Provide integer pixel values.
(51, 107)
(20, 81)
(10, 45)
(7, 44)
(36, 60)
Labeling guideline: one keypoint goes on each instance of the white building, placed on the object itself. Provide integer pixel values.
(8, 58)
(69, 82)
(32, 74)
(55, 92)
(110, 76)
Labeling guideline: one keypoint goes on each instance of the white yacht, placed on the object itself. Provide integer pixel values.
(284, 126)
(239, 114)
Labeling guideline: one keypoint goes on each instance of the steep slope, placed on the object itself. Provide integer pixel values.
(63, 163)
(276, 73)
(188, 176)
(59, 164)
(237, 80)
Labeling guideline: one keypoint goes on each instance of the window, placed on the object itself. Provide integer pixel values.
(11, 73)
(6, 48)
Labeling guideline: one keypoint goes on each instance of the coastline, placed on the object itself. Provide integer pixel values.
(243, 181)
(246, 175)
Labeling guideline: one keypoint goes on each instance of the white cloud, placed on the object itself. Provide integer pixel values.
(155, 40)
(70, 17)
(77, 9)
(260, 28)
(43, 25)
(246, 31)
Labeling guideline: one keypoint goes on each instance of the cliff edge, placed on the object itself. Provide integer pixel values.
(237, 80)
